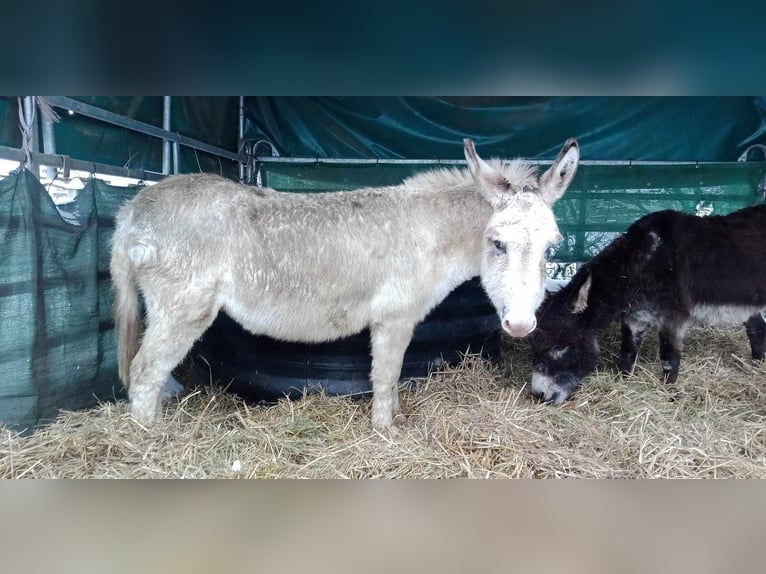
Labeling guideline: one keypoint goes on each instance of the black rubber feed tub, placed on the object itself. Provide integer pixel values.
(261, 369)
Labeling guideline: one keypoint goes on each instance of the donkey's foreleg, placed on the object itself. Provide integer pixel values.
(389, 342)
(756, 334)
(632, 337)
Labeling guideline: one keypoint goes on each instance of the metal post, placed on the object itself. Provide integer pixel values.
(30, 114)
(249, 169)
(175, 157)
(166, 102)
(49, 145)
(241, 135)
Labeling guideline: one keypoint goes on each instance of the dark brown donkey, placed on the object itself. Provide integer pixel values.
(668, 270)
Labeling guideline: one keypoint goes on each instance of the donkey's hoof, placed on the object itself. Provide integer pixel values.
(143, 416)
(382, 423)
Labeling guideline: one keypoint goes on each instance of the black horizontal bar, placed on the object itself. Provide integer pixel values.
(57, 161)
(383, 161)
(141, 127)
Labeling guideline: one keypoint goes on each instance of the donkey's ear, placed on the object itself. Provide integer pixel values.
(578, 301)
(491, 183)
(555, 181)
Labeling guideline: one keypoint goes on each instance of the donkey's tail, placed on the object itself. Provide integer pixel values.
(126, 317)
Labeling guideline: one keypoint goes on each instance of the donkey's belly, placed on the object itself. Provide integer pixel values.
(712, 315)
(293, 322)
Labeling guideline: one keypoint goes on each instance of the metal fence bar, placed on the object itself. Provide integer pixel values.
(166, 103)
(373, 161)
(141, 127)
(49, 143)
(175, 158)
(30, 116)
(241, 134)
(58, 161)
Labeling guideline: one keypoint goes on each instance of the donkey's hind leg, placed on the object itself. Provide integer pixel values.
(168, 337)
(389, 342)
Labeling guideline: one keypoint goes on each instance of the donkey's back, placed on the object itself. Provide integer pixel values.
(716, 261)
(186, 207)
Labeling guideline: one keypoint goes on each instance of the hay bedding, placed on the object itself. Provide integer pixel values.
(476, 420)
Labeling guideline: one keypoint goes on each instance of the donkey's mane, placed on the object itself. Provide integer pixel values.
(518, 172)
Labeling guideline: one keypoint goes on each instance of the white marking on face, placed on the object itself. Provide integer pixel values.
(542, 384)
(513, 265)
(546, 388)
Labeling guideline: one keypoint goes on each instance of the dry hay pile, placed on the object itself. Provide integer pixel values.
(477, 420)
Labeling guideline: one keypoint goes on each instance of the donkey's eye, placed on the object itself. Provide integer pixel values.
(499, 245)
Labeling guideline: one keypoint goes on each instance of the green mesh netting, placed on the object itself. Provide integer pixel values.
(57, 347)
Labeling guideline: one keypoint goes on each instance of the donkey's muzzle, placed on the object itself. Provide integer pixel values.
(519, 328)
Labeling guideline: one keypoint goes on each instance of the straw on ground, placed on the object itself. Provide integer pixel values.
(476, 420)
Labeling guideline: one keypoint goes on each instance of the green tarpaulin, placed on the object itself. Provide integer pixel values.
(608, 128)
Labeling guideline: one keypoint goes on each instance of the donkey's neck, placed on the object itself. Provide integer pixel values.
(613, 291)
(462, 222)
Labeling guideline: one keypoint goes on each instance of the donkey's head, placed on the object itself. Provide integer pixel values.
(520, 231)
(565, 344)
